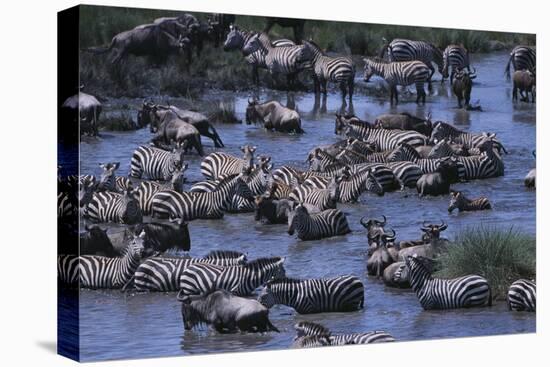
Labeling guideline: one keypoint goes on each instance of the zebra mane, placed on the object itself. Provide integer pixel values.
(224, 254)
(311, 328)
(263, 261)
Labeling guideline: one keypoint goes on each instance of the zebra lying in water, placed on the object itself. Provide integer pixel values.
(328, 223)
(108, 206)
(163, 274)
(462, 203)
(217, 164)
(442, 294)
(323, 198)
(522, 296)
(91, 271)
(310, 334)
(339, 294)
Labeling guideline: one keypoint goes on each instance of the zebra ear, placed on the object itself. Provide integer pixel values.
(116, 165)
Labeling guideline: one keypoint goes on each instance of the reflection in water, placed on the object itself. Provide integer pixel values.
(461, 117)
(290, 101)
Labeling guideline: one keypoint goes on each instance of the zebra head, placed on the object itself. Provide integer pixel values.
(253, 44)
(86, 191)
(296, 216)
(234, 40)
(372, 184)
(306, 328)
(266, 297)
(457, 200)
(439, 132)
(370, 68)
(374, 227)
(177, 178)
(248, 155)
(418, 265)
(131, 210)
(432, 231)
(136, 247)
(107, 178)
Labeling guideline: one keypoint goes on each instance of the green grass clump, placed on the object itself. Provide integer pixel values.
(501, 256)
(223, 112)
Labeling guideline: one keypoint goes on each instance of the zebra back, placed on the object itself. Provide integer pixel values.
(522, 296)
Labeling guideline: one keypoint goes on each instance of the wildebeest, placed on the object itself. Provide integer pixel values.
(296, 24)
(462, 86)
(145, 40)
(274, 116)
(220, 26)
(524, 81)
(226, 313)
(462, 203)
(380, 258)
(94, 241)
(89, 109)
(170, 128)
(438, 182)
(405, 121)
(161, 237)
(433, 244)
(197, 119)
(374, 227)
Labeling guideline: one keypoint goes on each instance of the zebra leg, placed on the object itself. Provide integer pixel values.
(344, 90)
(350, 88)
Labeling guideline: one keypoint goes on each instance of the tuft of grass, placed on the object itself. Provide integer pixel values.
(223, 112)
(500, 255)
(119, 121)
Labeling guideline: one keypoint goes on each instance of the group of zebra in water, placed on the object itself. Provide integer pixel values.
(372, 157)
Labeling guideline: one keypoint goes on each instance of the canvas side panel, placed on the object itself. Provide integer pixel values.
(67, 157)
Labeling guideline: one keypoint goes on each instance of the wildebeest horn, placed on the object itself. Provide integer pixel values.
(362, 221)
(443, 225)
(424, 225)
(384, 222)
(392, 235)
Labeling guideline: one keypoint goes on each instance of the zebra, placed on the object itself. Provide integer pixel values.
(407, 50)
(237, 38)
(351, 186)
(319, 160)
(163, 274)
(457, 58)
(522, 296)
(351, 156)
(385, 139)
(155, 163)
(107, 180)
(339, 294)
(338, 70)
(443, 149)
(73, 181)
(311, 341)
(381, 172)
(199, 205)
(309, 329)
(406, 173)
(108, 206)
(218, 163)
(328, 223)
(443, 130)
(428, 165)
(240, 280)
(486, 165)
(361, 147)
(442, 294)
(322, 198)
(147, 189)
(462, 203)
(67, 205)
(400, 73)
(92, 271)
(522, 58)
(286, 60)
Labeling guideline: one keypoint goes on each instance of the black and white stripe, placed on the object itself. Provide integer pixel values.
(219, 163)
(455, 57)
(522, 296)
(522, 58)
(154, 163)
(407, 50)
(440, 294)
(240, 280)
(445, 131)
(339, 294)
(385, 139)
(163, 274)
(328, 223)
(325, 198)
(306, 329)
(108, 206)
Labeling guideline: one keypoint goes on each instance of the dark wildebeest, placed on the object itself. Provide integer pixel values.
(524, 81)
(433, 243)
(145, 40)
(161, 237)
(380, 258)
(296, 24)
(220, 26)
(226, 313)
(89, 109)
(405, 121)
(269, 209)
(374, 227)
(96, 242)
(462, 86)
(274, 116)
(438, 182)
(170, 128)
(197, 119)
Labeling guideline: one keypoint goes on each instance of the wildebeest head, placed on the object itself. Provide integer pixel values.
(432, 231)
(266, 296)
(132, 211)
(106, 180)
(379, 256)
(191, 307)
(234, 39)
(374, 227)
(448, 168)
(252, 114)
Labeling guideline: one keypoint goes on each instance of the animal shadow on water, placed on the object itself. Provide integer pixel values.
(203, 338)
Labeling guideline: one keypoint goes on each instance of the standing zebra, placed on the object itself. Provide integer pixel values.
(199, 205)
(237, 38)
(339, 294)
(323, 199)
(462, 203)
(328, 223)
(457, 58)
(407, 50)
(400, 73)
(522, 58)
(442, 294)
(218, 163)
(522, 296)
(163, 273)
(286, 60)
(112, 207)
(240, 280)
(309, 329)
(155, 163)
(339, 70)
(93, 271)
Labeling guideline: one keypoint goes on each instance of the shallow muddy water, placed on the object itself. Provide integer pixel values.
(116, 325)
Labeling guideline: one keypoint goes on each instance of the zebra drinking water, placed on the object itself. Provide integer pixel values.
(455, 57)
(522, 58)
(522, 296)
(407, 50)
(339, 294)
(462, 203)
(305, 329)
